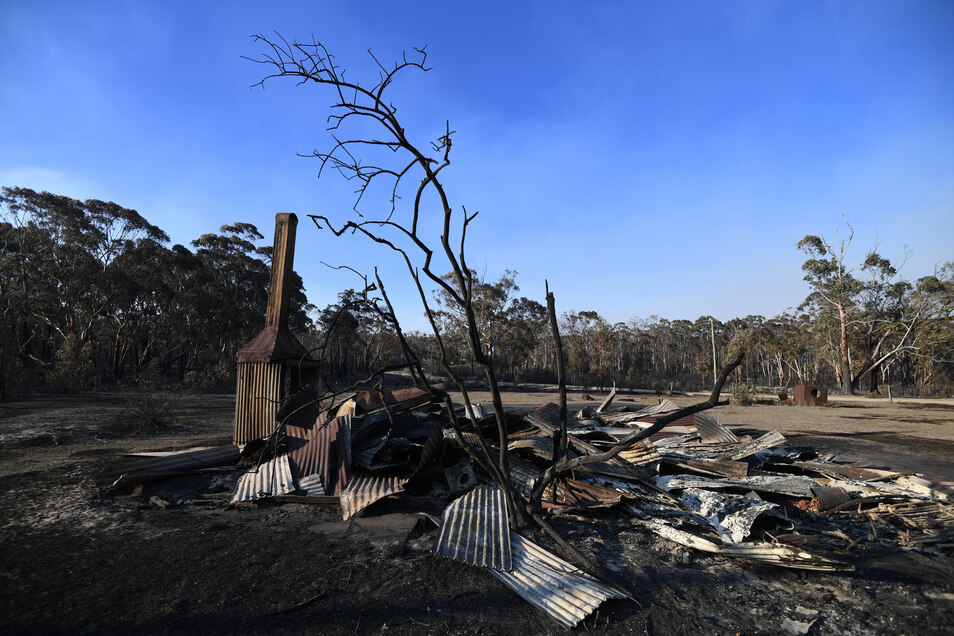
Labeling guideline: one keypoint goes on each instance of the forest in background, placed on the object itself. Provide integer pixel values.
(91, 295)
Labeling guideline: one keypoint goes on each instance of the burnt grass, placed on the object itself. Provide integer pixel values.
(175, 557)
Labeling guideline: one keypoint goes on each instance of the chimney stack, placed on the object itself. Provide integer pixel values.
(283, 259)
(274, 365)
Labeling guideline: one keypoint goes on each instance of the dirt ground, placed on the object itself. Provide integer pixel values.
(78, 561)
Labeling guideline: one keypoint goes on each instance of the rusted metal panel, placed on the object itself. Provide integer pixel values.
(830, 497)
(575, 493)
(475, 530)
(273, 477)
(556, 588)
(258, 394)
(178, 462)
(681, 426)
(710, 430)
(641, 453)
(549, 412)
(274, 345)
(808, 395)
(323, 448)
(364, 489)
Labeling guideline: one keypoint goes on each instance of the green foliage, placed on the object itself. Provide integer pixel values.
(744, 395)
(95, 272)
(73, 368)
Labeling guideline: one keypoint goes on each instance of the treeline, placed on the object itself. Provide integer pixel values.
(897, 332)
(90, 293)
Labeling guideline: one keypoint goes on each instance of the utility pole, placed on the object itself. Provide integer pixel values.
(715, 373)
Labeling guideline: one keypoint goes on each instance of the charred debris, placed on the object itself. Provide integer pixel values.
(694, 483)
(498, 477)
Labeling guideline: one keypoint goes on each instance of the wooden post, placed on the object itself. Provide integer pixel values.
(715, 372)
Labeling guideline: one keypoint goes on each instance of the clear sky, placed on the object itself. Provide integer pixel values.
(648, 158)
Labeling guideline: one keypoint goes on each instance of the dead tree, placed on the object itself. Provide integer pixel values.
(399, 161)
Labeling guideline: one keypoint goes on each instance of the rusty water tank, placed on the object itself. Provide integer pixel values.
(809, 395)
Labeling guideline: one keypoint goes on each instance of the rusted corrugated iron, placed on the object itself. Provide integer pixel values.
(710, 430)
(273, 477)
(399, 400)
(556, 588)
(273, 345)
(682, 426)
(324, 448)
(257, 399)
(364, 489)
(549, 412)
(575, 493)
(177, 463)
(830, 497)
(641, 453)
(474, 530)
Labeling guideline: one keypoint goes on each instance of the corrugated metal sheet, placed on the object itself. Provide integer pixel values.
(324, 448)
(553, 586)
(682, 426)
(257, 398)
(641, 453)
(474, 530)
(770, 439)
(731, 516)
(665, 406)
(710, 430)
(539, 446)
(549, 412)
(174, 464)
(312, 485)
(791, 485)
(274, 477)
(574, 493)
(615, 466)
(364, 489)
(363, 452)
(523, 475)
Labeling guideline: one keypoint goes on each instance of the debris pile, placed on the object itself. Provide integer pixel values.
(694, 483)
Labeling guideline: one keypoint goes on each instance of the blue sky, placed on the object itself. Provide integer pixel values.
(645, 158)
